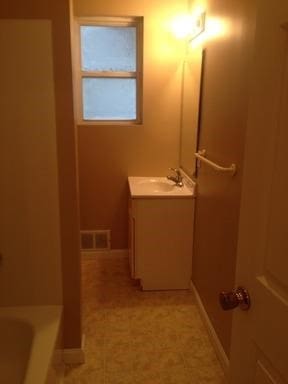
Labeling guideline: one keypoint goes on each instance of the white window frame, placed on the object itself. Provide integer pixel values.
(79, 74)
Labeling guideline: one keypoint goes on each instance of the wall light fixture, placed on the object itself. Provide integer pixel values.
(198, 26)
(189, 26)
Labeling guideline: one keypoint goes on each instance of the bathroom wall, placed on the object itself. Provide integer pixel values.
(42, 135)
(29, 235)
(108, 154)
(227, 42)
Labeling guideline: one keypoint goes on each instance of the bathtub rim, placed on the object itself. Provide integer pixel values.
(45, 321)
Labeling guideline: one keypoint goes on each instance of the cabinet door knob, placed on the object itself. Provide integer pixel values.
(239, 297)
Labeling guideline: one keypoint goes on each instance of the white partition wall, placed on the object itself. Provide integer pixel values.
(30, 270)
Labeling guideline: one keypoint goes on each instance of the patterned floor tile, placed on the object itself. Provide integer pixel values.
(136, 337)
(84, 374)
(119, 378)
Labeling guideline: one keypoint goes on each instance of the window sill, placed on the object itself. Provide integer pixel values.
(125, 123)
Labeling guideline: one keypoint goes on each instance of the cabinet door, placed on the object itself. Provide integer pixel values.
(163, 242)
(131, 240)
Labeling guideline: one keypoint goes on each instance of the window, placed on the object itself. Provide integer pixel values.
(109, 70)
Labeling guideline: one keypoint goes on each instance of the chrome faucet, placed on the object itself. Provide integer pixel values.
(178, 179)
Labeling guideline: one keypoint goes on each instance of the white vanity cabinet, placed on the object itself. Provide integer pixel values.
(161, 239)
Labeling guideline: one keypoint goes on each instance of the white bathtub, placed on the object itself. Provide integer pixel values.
(27, 341)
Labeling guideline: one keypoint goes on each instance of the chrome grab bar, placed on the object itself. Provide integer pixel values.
(200, 155)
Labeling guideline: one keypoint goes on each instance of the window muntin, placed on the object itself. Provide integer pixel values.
(109, 81)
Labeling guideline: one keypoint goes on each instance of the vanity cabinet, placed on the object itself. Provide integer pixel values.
(160, 241)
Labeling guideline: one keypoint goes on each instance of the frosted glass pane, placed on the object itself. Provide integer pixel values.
(108, 48)
(109, 99)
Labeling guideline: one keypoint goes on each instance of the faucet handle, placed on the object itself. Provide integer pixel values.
(175, 170)
(178, 178)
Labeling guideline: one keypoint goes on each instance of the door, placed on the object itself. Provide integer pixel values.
(260, 335)
(131, 239)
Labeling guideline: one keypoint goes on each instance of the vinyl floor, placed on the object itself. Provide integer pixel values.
(136, 337)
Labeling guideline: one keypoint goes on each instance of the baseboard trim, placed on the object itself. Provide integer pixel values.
(112, 253)
(221, 354)
(74, 355)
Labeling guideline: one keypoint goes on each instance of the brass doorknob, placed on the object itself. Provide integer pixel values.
(239, 297)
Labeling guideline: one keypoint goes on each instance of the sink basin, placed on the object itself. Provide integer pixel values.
(157, 186)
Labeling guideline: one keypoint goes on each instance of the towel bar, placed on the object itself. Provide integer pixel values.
(201, 156)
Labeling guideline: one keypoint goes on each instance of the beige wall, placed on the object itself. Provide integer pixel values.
(57, 11)
(29, 229)
(108, 154)
(224, 113)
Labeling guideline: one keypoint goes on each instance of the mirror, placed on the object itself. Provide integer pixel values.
(190, 110)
